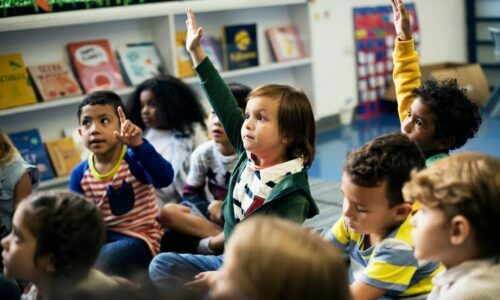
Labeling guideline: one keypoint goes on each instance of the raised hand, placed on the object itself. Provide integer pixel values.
(401, 20)
(130, 134)
(194, 34)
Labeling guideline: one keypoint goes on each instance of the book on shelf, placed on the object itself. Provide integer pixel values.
(285, 43)
(54, 80)
(32, 150)
(63, 154)
(15, 85)
(240, 46)
(139, 61)
(95, 65)
(213, 49)
(183, 58)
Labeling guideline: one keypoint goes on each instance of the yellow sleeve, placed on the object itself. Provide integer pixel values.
(406, 74)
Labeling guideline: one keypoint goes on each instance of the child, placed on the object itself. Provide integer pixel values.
(167, 110)
(120, 177)
(437, 115)
(213, 161)
(269, 258)
(374, 228)
(275, 143)
(458, 224)
(54, 242)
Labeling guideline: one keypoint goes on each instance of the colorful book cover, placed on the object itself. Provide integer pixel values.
(139, 61)
(95, 65)
(15, 85)
(240, 43)
(183, 58)
(63, 154)
(54, 80)
(32, 150)
(285, 43)
(213, 50)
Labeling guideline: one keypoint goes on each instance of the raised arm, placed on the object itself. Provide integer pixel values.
(194, 34)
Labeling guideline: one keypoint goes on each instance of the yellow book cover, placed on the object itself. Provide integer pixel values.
(184, 63)
(63, 154)
(15, 86)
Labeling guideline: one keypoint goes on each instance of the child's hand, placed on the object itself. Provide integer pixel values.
(130, 134)
(194, 34)
(401, 20)
(215, 208)
(203, 281)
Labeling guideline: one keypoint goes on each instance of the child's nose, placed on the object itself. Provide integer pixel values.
(406, 126)
(5, 242)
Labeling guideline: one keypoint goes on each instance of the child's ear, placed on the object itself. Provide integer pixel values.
(402, 211)
(44, 263)
(79, 131)
(460, 230)
(446, 143)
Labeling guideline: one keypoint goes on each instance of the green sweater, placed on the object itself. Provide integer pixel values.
(290, 198)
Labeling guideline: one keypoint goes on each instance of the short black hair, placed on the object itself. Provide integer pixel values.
(456, 116)
(240, 92)
(177, 105)
(389, 157)
(102, 98)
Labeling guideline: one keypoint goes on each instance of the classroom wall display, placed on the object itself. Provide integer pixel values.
(374, 37)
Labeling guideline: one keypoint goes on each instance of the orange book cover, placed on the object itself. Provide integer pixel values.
(95, 65)
(183, 58)
(54, 80)
(63, 154)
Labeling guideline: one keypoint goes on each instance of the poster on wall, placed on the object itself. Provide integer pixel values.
(374, 37)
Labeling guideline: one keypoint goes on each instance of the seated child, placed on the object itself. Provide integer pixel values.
(437, 115)
(120, 177)
(271, 258)
(374, 228)
(54, 242)
(459, 224)
(211, 162)
(275, 143)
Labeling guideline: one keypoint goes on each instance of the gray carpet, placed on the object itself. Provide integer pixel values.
(329, 200)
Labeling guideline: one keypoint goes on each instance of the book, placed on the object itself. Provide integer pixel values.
(285, 43)
(32, 150)
(63, 154)
(54, 80)
(95, 65)
(139, 61)
(240, 46)
(15, 85)
(213, 50)
(183, 58)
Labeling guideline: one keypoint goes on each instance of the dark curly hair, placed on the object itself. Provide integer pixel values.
(177, 105)
(68, 229)
(101, 98)
(456, 116)
(389, 157)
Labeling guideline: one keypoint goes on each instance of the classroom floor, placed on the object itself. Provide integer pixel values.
(332, 145)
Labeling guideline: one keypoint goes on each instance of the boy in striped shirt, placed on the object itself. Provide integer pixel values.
(120, 177)
(374, 228)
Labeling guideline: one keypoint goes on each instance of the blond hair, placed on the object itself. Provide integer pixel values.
(466, 184)
(7, 149)
(277, 259)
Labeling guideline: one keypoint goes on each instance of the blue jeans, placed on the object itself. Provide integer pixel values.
(123, 255)
(173, 269)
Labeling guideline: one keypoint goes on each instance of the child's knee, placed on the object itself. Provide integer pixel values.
(169, 214)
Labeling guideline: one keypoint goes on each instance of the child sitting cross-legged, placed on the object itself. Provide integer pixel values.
(458, 224)
(374, 229)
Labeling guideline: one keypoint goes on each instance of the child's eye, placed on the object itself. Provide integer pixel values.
(85, 122)
(419, 123)
(105, 121)
(260, 117)
(247, 116)
(361, 209)
(409, 114)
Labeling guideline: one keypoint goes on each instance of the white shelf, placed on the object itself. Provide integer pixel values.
(108, 14)
(54, 182)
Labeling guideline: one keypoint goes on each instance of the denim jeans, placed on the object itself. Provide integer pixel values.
(173, 269)
(123, 255)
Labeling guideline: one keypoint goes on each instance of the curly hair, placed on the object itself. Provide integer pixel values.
(456, 116)
(389, 157)
(177, 105)
(68, 229)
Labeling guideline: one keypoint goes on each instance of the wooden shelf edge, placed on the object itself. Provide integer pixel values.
(53, 182)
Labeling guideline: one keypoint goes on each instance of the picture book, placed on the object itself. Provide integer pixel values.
(54, 80)
(139, 61)
(63, 154)
(95, 65)
(15, 85)
(32, 150)
(213, 50)
(240, 46)
(183, 58)
(285, 43)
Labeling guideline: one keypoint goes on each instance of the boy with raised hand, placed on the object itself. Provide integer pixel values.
(374, 229)
(120, 177)
(459, 224)
(437, 115)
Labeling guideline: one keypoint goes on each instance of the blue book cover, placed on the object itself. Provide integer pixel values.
(32, 150)
(139, 61)
(241, 46)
